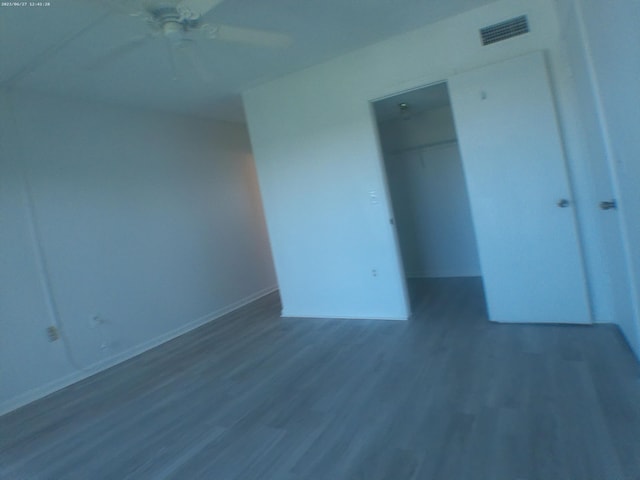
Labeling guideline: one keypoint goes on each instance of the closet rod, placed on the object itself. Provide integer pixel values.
(424, 146)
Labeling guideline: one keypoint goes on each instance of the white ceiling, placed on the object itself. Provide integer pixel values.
(65, 48)
(419, 100)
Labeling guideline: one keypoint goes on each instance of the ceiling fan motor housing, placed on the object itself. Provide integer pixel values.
(171, 23)
(172, 29)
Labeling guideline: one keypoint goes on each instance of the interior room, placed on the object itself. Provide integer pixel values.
(273, 239)
(426, 183)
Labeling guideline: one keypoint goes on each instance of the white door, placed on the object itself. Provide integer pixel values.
(519, 192)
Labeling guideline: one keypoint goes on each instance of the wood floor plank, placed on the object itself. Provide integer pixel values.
(252, 396)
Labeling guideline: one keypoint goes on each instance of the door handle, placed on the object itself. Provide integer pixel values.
(608, 205)
(563, 203)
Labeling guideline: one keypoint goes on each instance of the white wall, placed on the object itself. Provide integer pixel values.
(429, 195)
(423, 128)
(317, 158)
(149, 221)
(611, 71)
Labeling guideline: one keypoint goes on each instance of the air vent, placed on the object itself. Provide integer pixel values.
(503, 30)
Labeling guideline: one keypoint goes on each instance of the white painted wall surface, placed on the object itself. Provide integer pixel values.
(612, 37)
(317, 157)
(601, 230)
(429, 194)
(27, 360)
(151, 222)
(423, 128)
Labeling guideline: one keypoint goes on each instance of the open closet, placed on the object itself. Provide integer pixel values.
(427, 185)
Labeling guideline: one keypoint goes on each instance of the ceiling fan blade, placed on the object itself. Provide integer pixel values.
(119, 51)
(194, 9)
(248, 36)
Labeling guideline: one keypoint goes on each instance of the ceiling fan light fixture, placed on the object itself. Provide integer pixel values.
(173, 31)
(172, 27)
(405, 113)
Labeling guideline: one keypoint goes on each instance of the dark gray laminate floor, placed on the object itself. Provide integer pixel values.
(447, 395)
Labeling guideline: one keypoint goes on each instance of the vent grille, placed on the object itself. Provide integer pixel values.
(503, 30)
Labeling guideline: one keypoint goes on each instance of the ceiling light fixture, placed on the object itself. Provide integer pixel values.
(405, 114)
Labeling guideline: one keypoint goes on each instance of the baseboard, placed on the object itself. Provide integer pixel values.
(40, 392)
(58, 384)
(442, 274)
(287, 314)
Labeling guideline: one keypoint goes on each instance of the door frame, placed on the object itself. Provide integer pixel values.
(385, 181)
(383, 172)
(390, 212)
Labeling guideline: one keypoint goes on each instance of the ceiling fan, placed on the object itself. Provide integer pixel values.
(180, 23)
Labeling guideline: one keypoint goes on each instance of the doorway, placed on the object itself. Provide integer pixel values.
(517, 186)
(428, 192)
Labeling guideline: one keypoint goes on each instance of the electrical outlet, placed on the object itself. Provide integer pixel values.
(52, 333)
